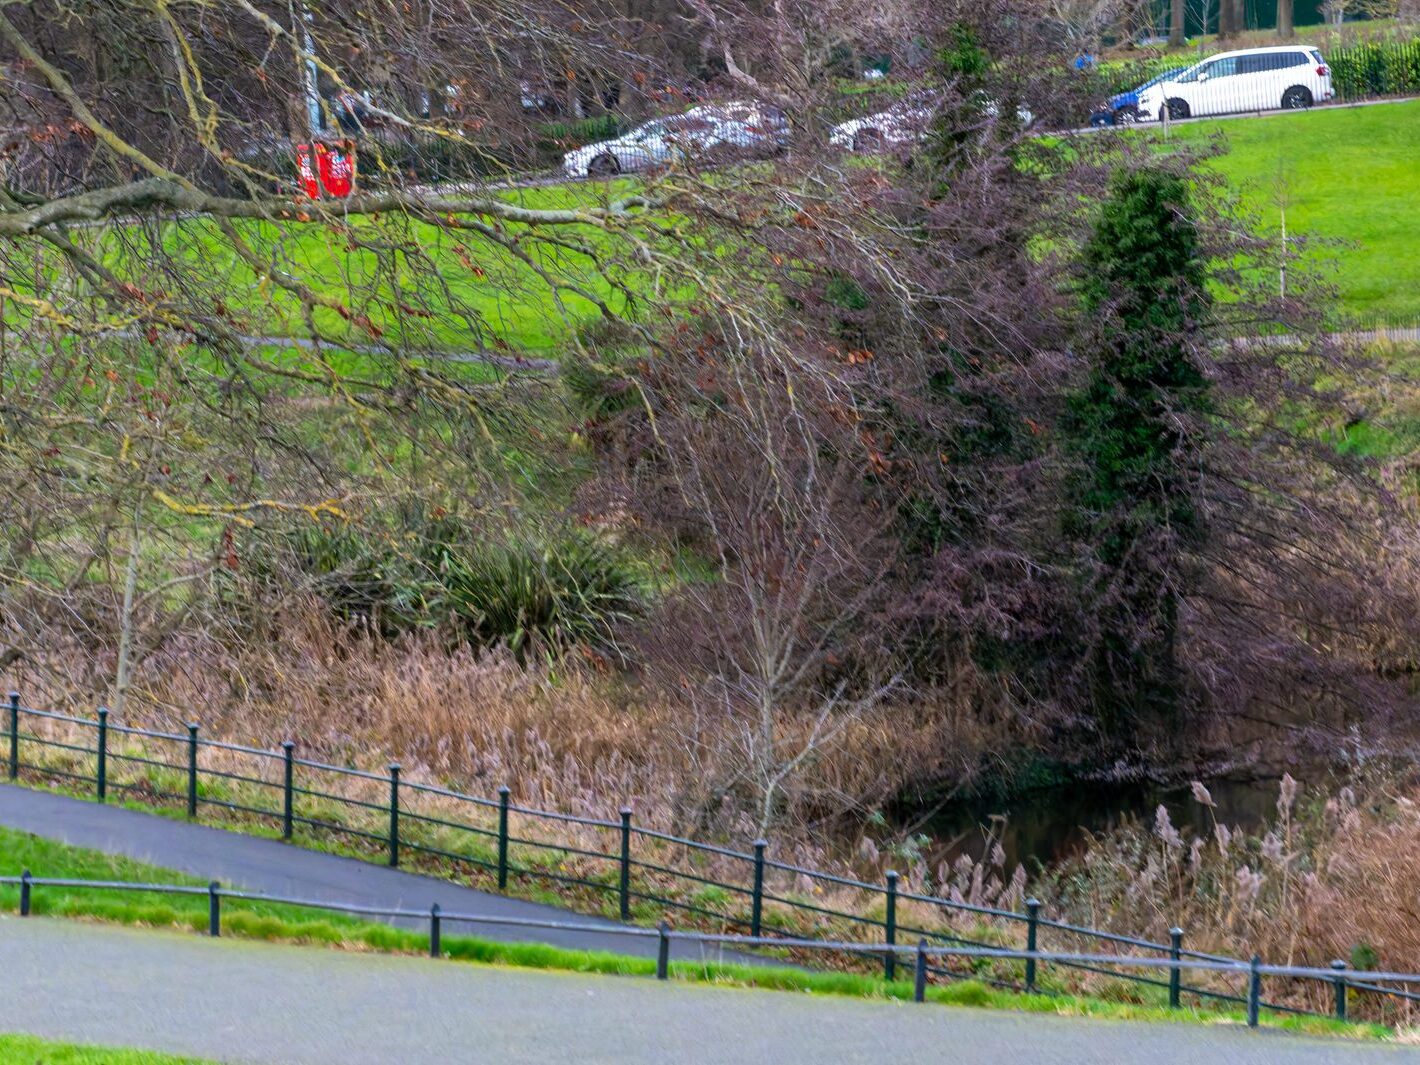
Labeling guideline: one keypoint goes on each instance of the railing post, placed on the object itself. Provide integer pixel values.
(1032, 928)
(1254, 990)
(626, 863)
(1340, 982)
(890, 927)
(192, 769)
(1175, 972)
(503, 838)
(663, 951)
(288, 797)
(101, 774)
(25, 893)
(756, 913)
(919, 982)
(434, 950)
(394, 813)
(14, 735)
(214, 909)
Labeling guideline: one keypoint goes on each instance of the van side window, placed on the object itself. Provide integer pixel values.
(1223, 68)
(1253, 64)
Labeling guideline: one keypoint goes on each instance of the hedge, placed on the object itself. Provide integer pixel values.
(1376, 68)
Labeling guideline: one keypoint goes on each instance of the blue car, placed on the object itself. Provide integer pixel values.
(1124, 108)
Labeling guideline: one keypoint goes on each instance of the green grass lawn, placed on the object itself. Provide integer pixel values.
(420, 284)
(27, 1050)
(1349, 174)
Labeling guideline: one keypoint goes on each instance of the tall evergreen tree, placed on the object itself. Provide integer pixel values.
(1138, 431)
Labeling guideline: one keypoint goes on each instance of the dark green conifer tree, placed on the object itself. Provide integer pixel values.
(1139, 432)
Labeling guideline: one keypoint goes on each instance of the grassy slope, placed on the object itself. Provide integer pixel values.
(265, 921)
(26, 1050)
(474, 277)
(1351, 174)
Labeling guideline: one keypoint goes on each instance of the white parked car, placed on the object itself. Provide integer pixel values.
(905, 123)
(731, 128)
(1254, 79)
(746, 125)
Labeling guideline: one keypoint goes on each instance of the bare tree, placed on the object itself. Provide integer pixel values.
(178, 372)
(1086, 23)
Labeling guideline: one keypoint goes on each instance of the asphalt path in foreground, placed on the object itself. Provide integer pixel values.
(275, 868)
(273, 1003)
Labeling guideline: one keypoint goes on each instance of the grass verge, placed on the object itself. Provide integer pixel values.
(27, 1050)
(281, 923)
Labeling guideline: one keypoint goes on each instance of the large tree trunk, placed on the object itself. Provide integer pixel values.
(1284, 19)
(1177, 11)
(1229, 20)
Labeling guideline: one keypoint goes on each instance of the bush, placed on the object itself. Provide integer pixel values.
(360, 579)
(406, 571)
(601, 392)
(564, 136)
(557, 593)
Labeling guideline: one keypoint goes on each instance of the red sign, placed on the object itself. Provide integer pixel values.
(332, 172)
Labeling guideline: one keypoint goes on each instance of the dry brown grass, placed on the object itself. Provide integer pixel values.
(1328, 877)
(568, 736)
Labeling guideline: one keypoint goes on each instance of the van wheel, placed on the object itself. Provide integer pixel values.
(1298, 96)
(869, 141)
(1175, 109)
(604, 166)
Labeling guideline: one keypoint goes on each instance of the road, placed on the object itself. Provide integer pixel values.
(276, 868)
(273, 1003)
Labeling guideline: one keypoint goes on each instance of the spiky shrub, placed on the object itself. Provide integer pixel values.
(362, 577)
(410, 571)
(601, 391)
(522, 594)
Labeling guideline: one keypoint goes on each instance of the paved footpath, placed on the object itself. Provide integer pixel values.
(276, 868)
(273, 1003)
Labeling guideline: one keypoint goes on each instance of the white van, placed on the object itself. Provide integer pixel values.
(1254, 79)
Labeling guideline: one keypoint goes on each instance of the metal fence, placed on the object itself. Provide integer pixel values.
(739, 889)
(918, 957)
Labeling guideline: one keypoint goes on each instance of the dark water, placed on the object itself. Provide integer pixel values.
(1051, 824)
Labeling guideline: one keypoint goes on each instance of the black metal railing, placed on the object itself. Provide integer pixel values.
(917, 956)
(637, 873)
